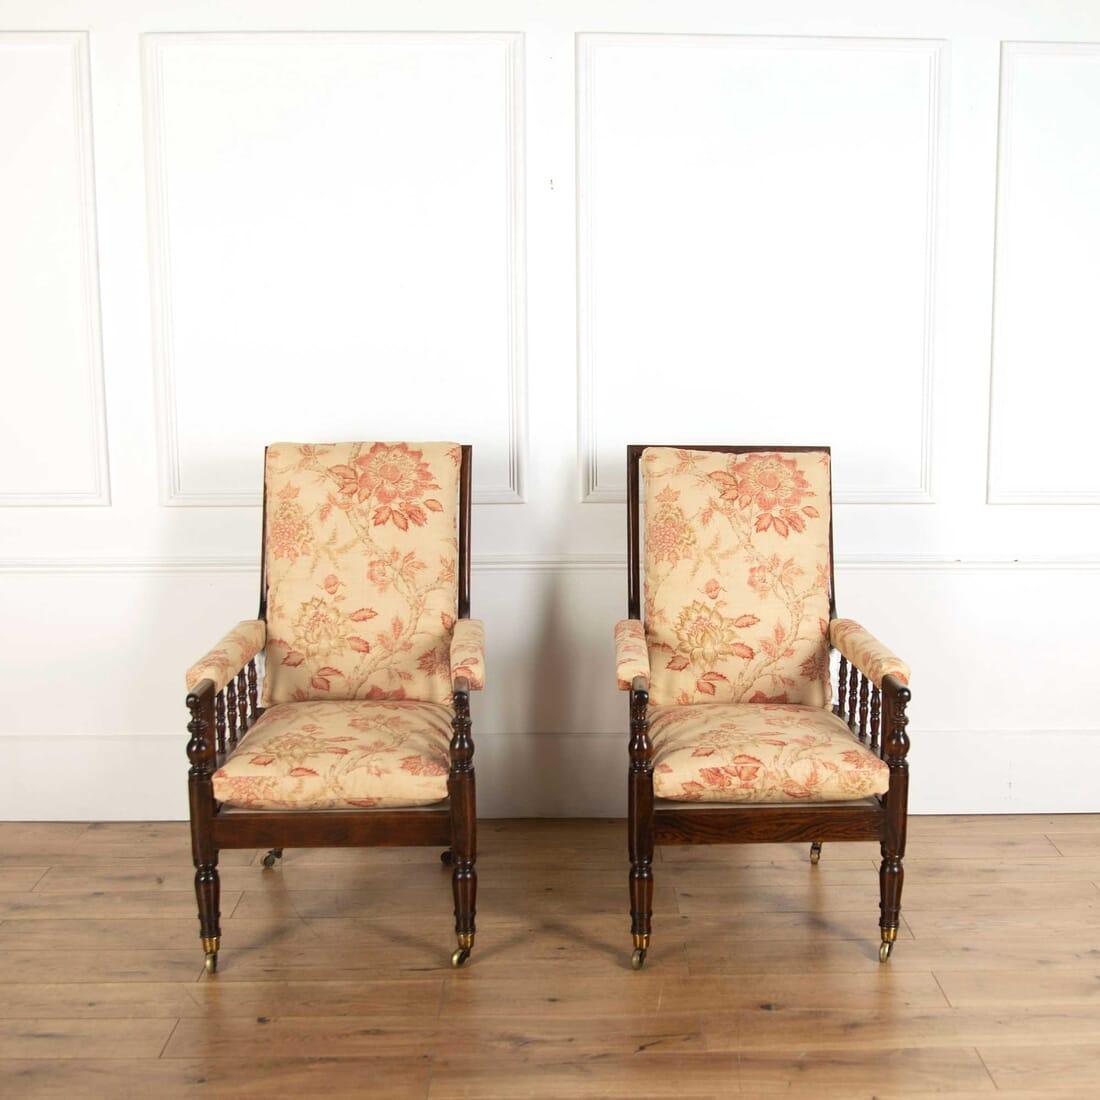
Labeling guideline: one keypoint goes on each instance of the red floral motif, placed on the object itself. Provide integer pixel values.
(669, 537)
(774, 575)
(760, 697)
(774, 486)
(418, 765)
(743, 773)
(394, 476)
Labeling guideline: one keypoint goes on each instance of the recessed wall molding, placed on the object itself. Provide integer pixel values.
(596, 487)
(179, 489)
(1044, 347)
(85, 354)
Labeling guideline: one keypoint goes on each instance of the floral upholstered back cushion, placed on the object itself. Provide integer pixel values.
(361, 579)
(737, 576)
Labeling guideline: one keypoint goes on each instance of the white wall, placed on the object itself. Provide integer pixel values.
(549, 229)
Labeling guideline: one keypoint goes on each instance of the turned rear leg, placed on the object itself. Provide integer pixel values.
(208, 893)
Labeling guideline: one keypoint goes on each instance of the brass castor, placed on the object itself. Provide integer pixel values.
(462, 952)
(446, 857)
(637, 959)
(815, 851)
(272, 856)
(889, 935)
(210, 945)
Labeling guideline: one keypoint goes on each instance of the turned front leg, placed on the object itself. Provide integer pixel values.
(891, 872)
(640, 825)
(200, 751)
(461, 790)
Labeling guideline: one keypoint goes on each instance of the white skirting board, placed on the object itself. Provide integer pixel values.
(138, 777)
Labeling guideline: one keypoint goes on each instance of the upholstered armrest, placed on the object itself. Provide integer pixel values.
(631, 654)
(468, 653)
(866, 652)
(230, 655)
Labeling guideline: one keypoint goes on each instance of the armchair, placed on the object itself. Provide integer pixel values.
(368, 657)
(732, 736)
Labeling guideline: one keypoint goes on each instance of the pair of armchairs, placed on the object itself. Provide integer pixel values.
(369, 656)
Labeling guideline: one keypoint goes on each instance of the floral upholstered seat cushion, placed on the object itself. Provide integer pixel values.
(737, 576)
(361, 542)
(751, 752)
(340, 755)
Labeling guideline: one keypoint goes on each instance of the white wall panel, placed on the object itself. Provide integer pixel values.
(757, 242)
(52, 436)
(337, 242)
(758, 222)
(1046, 347)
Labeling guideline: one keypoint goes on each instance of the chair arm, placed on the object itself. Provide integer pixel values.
(468, 655)
(863, 650)
(631, 655)
(229, 656)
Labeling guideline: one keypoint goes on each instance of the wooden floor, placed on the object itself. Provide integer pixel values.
(763, 974)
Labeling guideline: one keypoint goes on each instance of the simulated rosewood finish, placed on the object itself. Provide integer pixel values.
(750, 824)
(640, 818)
(460, 791)
(841, 688)
(876, 716)
(220, 719)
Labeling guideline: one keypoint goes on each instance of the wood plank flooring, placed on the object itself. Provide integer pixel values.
(763, 975)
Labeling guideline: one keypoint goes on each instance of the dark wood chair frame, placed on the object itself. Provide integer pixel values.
(876, 717)
(219, 719)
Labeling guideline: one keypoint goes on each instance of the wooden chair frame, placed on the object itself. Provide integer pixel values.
(877, 718)
(220, 718)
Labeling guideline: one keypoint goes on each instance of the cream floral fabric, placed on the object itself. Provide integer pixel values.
(760, 753)
(332, 756)
(737, 576)
(361, 549)
(631, 654)
(229, 656)
(866, 652)
(468, 652)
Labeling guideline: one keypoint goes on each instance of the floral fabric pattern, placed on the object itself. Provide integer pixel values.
(631, 654)
(229, 656)
(334, 756)
(737, 576)
(866, 652)
(468, 653)
(361, 585)
(745, 752)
